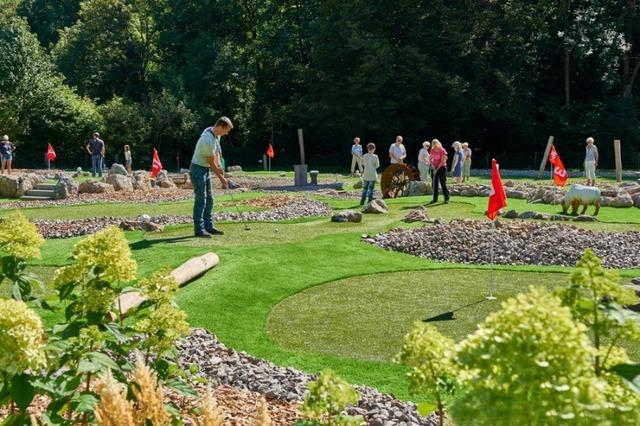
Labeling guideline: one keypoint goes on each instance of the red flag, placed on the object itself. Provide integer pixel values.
(560, 174)
(270, 152)
(497, 196)
(51, 154)
(157, 165)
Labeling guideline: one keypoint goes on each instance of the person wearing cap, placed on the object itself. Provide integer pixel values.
(206, 159)
(424, 163)
(456, 163)
(466, 165)
(95, 147)
(591, 158)
(397, 151)
(6, 152)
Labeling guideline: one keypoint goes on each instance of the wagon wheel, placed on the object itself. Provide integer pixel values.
(394, 180)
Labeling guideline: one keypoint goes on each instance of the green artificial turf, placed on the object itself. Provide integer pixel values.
(272, 264)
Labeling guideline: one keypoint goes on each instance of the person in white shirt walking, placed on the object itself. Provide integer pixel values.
(356, 156)
(397, 151)
(369, 176)
(591, 158)
(424, 162)
(127, 159)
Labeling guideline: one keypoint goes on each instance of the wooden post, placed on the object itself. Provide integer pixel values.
(545, 157)
(616, 149)
(301, 142)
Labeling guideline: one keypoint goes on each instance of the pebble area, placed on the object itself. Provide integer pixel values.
(224, 366)
(515, 243)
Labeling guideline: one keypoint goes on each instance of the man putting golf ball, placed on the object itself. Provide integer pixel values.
(206, 159)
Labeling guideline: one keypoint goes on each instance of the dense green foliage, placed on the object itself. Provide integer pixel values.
(503, 75)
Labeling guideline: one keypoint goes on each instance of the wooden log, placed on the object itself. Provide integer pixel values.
(183, 274)
(545, 157)
(618, 154)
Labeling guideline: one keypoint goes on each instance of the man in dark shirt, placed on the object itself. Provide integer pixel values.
(95, 147)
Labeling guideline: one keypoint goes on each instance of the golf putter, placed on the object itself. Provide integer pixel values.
(233, 185)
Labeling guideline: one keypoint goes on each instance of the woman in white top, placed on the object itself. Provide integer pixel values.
(397, 152)
(424, 162)
(371, 163)
(127, 158)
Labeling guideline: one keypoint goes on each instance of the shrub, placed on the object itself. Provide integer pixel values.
(328, 397)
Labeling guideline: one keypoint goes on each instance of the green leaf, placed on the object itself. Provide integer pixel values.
(630, 373)
(114, 330)
(67, 383)
(85, 402)
(181, 387)
(16, 419)
(22, 391)
(102, 360)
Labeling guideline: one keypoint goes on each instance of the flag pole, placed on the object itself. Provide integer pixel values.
(493, 236)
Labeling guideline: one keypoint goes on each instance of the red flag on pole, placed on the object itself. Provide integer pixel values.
(497, 196)
(157, 165)
(270, 152)
(560, 174)
(51, 154)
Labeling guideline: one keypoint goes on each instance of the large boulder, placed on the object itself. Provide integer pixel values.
(118, 169)
(93, 187)
(164, 181)
(416, 188)
(623, 199)
(636, 200)
(347, 216)
(16, 186)
(376, 206)
(65, 188)
(516, 194)
(417, 215)
(141, 181)
(120, 182)
(469, 192)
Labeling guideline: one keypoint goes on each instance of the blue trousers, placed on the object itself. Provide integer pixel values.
(203, 204)
(367, 190)
(96, 165)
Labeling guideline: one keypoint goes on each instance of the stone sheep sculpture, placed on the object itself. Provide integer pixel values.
(581, 195)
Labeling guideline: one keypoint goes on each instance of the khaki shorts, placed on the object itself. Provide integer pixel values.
(590, 169)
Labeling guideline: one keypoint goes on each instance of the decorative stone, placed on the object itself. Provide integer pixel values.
(376, 206)
(511, 214)
(623, 199)
(417, 215)
(347, 216)
(584, 218)
(65, 188)
(118, 169)
(15, 186)
(357, 185)
(120, 182)
(416, 188)
(93, 187)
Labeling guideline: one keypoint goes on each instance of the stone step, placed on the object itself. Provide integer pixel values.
(45, 186)
(40, 193)
(35, 198)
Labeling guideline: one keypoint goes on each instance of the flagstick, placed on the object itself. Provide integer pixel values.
(491, 296)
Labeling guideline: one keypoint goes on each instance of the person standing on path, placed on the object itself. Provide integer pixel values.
(356, 156)
(397, 151)
(369, 175)
(591, 158)
(458, 159)
(424, 162)
(466, 165)
(439, 165)
(206, 159)
(95, 148)
(127, 158)
(6, 152)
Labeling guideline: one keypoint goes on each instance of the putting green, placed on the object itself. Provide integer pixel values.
(366, 317)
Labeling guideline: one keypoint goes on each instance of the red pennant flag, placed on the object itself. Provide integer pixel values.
(157, 165)
(51, 154)
(497, 196)
(560, 174)
(270, 152)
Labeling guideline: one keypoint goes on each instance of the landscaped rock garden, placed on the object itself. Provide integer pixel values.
(515, 243)
(297, 208)
(224, 366)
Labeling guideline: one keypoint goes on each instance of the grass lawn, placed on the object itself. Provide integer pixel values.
(309, 294)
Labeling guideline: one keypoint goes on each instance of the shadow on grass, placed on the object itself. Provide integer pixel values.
(144, 244)
(450, 315)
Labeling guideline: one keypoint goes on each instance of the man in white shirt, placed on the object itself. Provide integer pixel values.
(397, 152)
(356, 155)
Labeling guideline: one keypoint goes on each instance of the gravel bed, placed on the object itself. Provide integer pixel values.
(300, 207)
(526, 243)
(225, 366)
